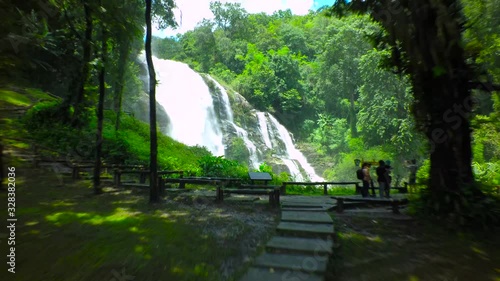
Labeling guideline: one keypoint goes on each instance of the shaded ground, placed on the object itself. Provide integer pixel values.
(377, 245)
(65, 233)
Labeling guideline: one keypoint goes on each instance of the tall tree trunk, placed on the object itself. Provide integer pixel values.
(441, 84)
(87, 50)
(431, 38)
(352, 117)
(118, 92)
(154, 195)
(100, 116)
(449, 134)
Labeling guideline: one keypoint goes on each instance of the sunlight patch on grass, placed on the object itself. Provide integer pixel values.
(125, 201)
(62, 204)
(31, 223)
(353, 236)
(413, 278)
(481, 253)
(14, 98)
(375, 239)
(38, 94)
(201, 270)
(61, 218)
(177, 270)
(21, 145)
(139, 249)
(478, 251)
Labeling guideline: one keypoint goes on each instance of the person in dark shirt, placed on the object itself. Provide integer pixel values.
(381, 172)
(387, 187)
(366, 179)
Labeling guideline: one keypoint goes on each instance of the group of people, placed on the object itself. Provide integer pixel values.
(384, 178)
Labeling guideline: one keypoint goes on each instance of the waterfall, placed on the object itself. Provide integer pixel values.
(293, 152)
(189, 104)
(240, 132)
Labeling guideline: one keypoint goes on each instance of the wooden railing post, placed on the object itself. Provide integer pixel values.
(76, 172)
(142, 177)
(219, 194)
(117, 177)
(161, 185)
(283, 189)
(325, 186)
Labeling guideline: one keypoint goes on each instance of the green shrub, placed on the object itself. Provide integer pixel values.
(218, 166)
(238, 151)
(45, 124)
(465, 209)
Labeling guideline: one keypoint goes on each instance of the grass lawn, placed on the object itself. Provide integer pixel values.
(65, 233)
(386, 249)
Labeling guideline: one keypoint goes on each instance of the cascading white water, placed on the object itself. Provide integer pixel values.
(261, 116)
(252, 148)
(293, 152)
(294, 169)
(187, 100)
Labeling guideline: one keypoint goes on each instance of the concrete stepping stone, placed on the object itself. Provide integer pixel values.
(302, 204)
(311, 217)
(310, 229)
(313, 246)
(264, 274)
(305, 263)
(318, 209)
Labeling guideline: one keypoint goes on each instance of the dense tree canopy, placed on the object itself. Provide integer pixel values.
(397, 81)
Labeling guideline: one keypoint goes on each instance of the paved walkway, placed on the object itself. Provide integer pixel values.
(302, 246)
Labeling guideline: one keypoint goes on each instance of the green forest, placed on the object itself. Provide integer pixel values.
(326, 81)
(333, 77)
(364, 80)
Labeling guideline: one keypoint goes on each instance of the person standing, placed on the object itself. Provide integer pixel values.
(381, 172)
(413, 175)
(366, 179)
(388, 177)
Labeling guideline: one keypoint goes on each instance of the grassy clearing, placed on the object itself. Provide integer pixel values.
(378, 248)
(65, 233)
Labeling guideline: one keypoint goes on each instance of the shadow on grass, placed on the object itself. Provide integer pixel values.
(374, 248)
(65, 233)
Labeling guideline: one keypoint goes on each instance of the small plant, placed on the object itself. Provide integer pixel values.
(218, 166)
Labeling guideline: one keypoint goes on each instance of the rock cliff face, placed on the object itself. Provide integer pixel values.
(140, 109)
(260, 133)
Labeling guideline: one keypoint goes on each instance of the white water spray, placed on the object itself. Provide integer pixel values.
(188, 103)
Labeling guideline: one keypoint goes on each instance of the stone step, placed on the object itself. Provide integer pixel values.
(301, 245)
(305, 229)
(304, 263)
(262, 274)
(302, 204)
(320, 209)
(310, 217)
